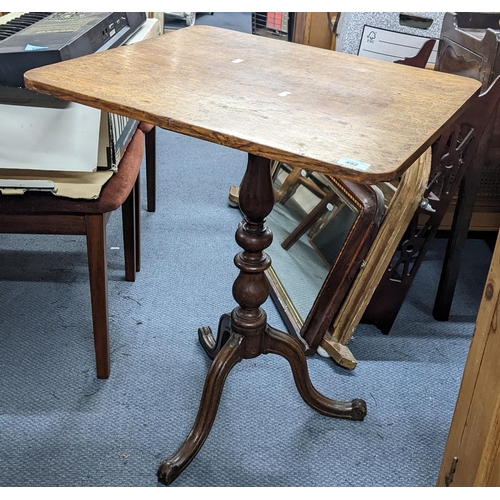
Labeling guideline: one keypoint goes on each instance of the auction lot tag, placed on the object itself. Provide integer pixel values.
(349, 162)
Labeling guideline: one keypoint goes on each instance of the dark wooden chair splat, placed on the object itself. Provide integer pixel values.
(422, 58)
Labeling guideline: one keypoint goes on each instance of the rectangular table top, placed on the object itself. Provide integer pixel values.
(355, 117)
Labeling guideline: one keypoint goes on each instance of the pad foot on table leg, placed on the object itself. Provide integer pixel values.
(207, 340)
(280, 343)
(222, 364)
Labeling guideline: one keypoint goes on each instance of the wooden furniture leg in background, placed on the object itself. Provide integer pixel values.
(150, 138)
(458, 236)
(130, 221)
(245, 334)
(137, 229)
(290, 185)
(309, 220)
(151, 168)
(98, 279)
(464, 210)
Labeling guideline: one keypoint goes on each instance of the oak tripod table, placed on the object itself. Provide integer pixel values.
(352, 117)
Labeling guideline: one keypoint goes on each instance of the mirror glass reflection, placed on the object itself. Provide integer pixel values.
(310, 221)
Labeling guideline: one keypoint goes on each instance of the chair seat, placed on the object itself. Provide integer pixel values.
(113, 193)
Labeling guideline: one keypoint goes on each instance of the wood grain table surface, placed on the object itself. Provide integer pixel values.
(313, 108)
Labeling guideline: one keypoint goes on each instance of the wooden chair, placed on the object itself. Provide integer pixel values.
(44, 213)
(454, 157)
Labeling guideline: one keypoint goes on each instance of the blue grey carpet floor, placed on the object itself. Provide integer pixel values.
(61, 426)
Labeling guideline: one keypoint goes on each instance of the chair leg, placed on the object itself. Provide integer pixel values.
(98, 277)
(308, 221)
(150, 138)
(456, 243)
(129, 238)
(289, 186)
(137, 220)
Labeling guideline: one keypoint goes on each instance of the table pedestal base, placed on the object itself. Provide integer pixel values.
(245, 334)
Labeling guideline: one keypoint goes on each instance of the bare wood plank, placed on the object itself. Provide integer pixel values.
(474, 429)
(313, 28)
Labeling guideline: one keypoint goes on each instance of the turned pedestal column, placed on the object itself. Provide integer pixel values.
(244, 333)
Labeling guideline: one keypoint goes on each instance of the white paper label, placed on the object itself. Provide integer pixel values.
(349, 162)
(237, 61)
(387, 45)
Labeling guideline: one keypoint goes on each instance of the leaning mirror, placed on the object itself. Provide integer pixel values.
(322, 229)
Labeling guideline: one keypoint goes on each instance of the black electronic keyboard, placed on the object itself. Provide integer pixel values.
(35, 39)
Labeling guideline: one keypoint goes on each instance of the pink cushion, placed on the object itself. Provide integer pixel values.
(145, 127)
